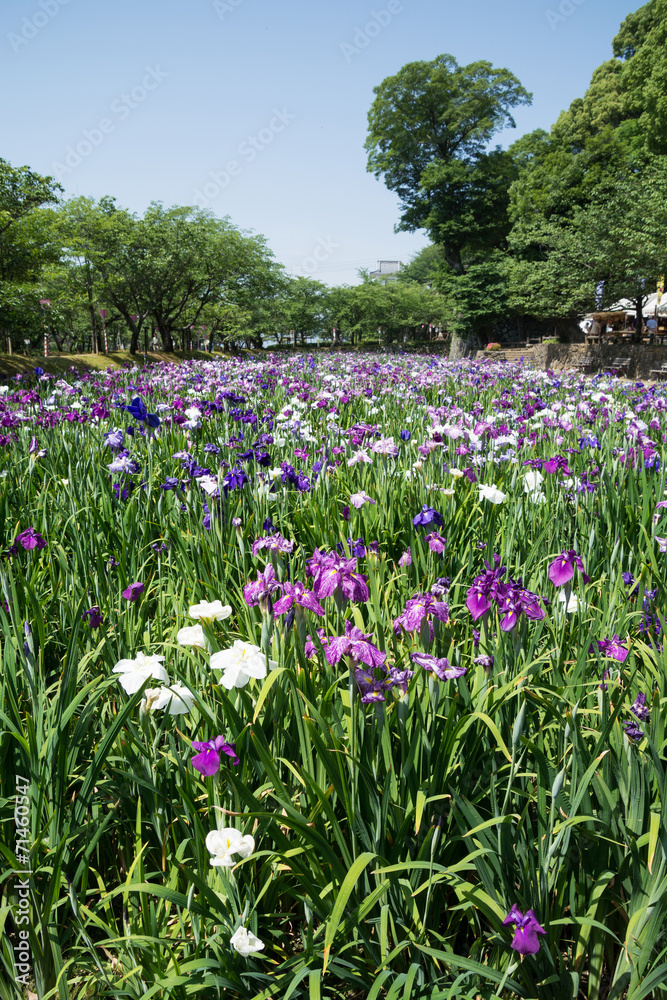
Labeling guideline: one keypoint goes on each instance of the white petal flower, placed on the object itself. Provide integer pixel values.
(210, 611)
(456, 473)
(177, 700)
(240, 663)
(223, 844)
(532, 481)
(491, 493)
(135, 672)
(191, 635)
(574, 603)
(245, 942)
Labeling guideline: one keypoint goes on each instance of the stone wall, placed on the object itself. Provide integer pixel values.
(643, 357)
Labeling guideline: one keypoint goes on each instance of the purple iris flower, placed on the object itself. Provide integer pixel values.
(355, 645)
(30, 539)
(134, 591)
(417, 608)
(525, 939)
(259, 590)
(332, 573)
(484, 661)
(440, 666)
(633, 731)
(628, 579)
(296, 594)
(208, 761)
(399, 678)
(436, 542)
(427, 515)
(405, 435)
(275, 543)
(556, 464)
(612, 648)
(93, 616)
(561, 570)
(639, 708)
(370, 688)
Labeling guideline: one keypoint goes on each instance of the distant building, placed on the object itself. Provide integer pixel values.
(387, 270)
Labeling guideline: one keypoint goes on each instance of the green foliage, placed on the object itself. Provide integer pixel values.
(429, 129)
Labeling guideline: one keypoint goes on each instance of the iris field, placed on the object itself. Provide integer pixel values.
(333, 677)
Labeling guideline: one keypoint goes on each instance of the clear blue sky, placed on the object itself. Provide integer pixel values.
(160, 96)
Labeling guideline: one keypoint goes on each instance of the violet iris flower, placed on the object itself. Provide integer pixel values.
(259, 590)
(428, 515)
(30, 539)
(93, 616)
(355, 645)
(417, 608)
(525, 939)
(639, 708)
(296, 594)
(276, 543)
(632, 730)
(612, 648)
(134, 591)
(561, 570)
(440, 666)
(436, 542)
(332, 573)
(208, 761)
(370, 688)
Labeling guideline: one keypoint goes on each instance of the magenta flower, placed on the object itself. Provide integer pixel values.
(276, 543)
(477, 603)
(134, 591)
(440, 666)
(208, 761)
(525, 939)
(561, 570)
(406, 558)
(297, 594)
(30, 539)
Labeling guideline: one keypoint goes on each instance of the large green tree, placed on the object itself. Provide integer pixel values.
(429, 130)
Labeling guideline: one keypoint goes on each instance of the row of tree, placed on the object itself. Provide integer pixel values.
(557, 223)
(171, 278)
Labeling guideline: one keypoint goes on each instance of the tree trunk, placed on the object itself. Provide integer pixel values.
(167, 341)
(134, 338)
(463, 345)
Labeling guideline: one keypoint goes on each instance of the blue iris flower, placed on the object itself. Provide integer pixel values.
(137, 409)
